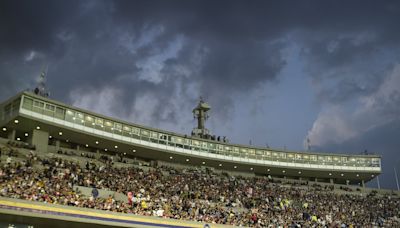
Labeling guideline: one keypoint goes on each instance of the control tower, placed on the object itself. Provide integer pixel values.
(200, 113)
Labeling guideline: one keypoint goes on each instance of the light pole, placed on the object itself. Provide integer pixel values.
(397, 179)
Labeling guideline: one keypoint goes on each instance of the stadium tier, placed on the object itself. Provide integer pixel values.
(49, 125)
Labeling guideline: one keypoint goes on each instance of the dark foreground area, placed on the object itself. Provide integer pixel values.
(17, 221)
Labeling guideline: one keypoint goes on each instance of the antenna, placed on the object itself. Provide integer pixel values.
(41, 89)
(308, 144)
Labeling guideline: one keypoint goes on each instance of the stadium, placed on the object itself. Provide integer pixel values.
(63, 163)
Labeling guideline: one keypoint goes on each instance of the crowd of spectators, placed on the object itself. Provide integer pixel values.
(195, 194)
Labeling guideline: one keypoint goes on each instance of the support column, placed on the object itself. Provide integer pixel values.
(347, 182)
(11, 134)
(97, 154)
(316, 179)
(40, 139)
(363, 183)
(77, 148)
(331, 180)
(57, 145)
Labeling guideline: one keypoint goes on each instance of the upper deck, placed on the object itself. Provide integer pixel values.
(105, 133)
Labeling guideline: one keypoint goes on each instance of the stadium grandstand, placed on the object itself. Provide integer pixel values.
(69, 167)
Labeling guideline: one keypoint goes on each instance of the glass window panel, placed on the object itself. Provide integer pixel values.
(89, 118)
(79, 115)
(70, 116)
(59, 113)
(28, 102)
(38, 104)
(99, 121)
(50, 107)
(118, 126)
(135, 131)
(108, 123)
(154, 135)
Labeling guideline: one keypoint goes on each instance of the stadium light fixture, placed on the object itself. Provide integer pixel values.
(187, 159)
(299, 172)
(268, 170)
(37, 128)
(4, 129)
(358, 175)
(60, 133)
(235, 167)
(251, 168)
(67, 140)
(87, 145)
(171, 157)
(18, 139)
(203, 163)
(124, 153)
(97, 142)
(134, 151)
(372, 175)
(105, 149)
(342, 174)
(220, 164)
(330, 174)
(50, 136)
(283, 171)
(116, 147)
(16, 121)
(26, 134)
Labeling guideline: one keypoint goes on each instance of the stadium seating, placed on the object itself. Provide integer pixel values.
(196, 193)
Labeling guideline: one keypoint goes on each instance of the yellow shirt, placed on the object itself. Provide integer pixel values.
(144, 204)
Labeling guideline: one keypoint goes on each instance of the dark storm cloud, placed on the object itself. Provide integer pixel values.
(81, 43)
(240, 45)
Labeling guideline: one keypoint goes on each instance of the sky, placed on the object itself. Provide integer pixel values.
(275, 73)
